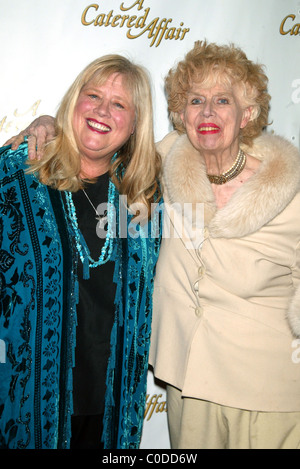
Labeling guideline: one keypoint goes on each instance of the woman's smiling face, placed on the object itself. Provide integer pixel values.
(103, 119)
(213, 117)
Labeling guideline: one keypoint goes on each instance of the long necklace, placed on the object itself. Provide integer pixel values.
(232, 172)
(81, 246)
(102, 219)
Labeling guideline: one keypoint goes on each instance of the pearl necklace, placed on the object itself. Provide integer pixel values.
(232, 172)
(81, 246)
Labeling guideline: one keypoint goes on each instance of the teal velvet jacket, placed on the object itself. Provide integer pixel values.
(38, 297)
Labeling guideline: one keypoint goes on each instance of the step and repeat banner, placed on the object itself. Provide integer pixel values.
(44, 45)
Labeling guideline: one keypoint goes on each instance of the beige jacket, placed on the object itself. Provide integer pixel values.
(220, 327)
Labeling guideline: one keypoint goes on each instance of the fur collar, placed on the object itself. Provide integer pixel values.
(254, 204)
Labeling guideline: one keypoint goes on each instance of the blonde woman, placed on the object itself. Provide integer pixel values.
(76, 293)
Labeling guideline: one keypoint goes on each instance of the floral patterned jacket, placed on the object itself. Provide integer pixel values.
(38, 296)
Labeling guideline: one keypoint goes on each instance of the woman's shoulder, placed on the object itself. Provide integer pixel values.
(270, 146)
(167, 142)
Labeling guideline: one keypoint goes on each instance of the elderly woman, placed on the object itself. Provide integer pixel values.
(220, 334)
(51, 259)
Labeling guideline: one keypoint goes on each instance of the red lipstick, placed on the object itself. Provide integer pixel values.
(99, 127)
(208, 128)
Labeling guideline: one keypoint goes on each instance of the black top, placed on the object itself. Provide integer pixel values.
(95, 311)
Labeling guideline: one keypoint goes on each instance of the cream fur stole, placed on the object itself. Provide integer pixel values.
(261, 198)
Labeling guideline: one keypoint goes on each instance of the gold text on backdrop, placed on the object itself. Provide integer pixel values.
(288, 26)
(20, 120)
(153, 404)
(157, 29)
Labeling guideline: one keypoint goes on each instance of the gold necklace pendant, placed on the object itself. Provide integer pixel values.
(232, 172)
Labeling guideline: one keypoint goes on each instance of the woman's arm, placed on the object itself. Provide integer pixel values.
(39, 132)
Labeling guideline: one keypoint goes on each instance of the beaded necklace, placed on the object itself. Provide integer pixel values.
(232, 172)
(81, 246)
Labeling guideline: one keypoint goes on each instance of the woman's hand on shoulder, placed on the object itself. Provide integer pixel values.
(39, 132)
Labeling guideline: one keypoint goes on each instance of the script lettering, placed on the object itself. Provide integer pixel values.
(154, 405)
(138, 2)
(157, 29)
(286, 23)
(20, 120)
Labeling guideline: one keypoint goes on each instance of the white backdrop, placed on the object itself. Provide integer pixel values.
(45, 44)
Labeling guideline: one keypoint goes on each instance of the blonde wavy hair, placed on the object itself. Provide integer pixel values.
(135, 171)
(208, 64)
